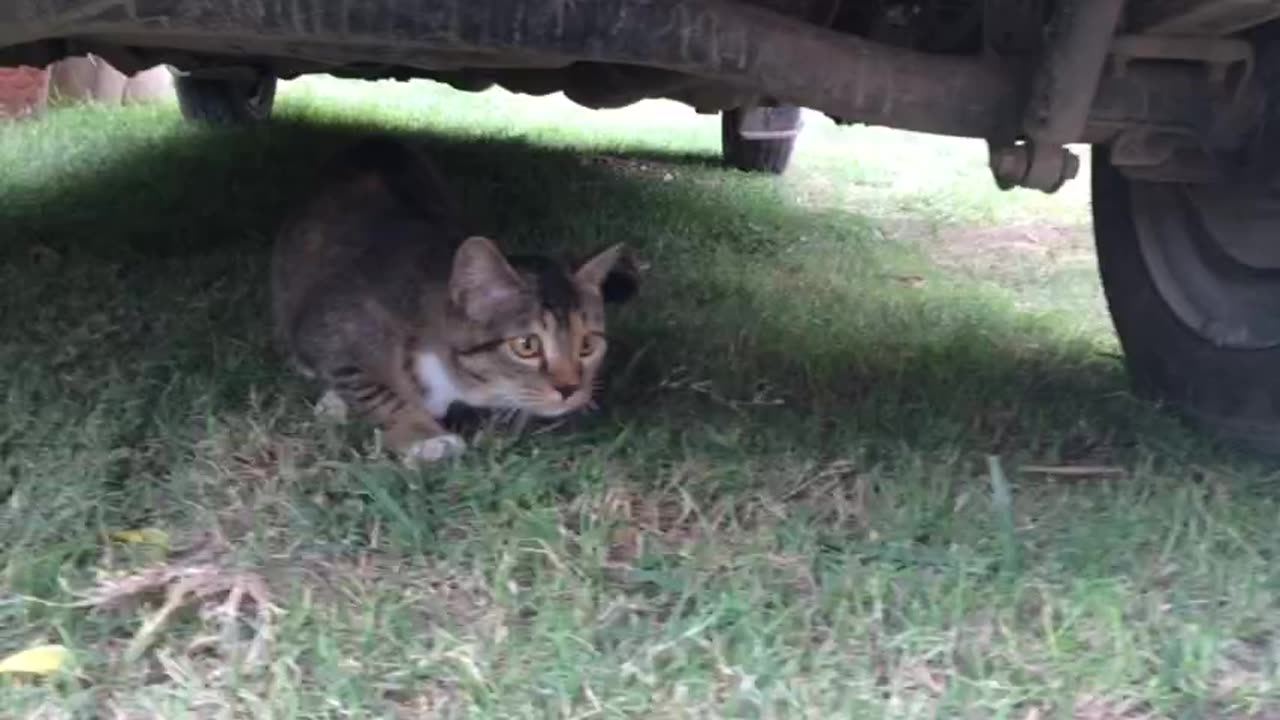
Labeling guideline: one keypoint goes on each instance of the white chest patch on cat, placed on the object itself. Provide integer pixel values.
(441, 390)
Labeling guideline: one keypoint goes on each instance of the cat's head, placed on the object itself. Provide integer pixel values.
(528, 332)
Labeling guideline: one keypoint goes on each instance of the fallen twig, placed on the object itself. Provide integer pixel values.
(1074, 470)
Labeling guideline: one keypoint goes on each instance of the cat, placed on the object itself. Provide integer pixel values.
(378, 292)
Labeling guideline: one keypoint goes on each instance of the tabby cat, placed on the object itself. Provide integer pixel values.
(379, 293)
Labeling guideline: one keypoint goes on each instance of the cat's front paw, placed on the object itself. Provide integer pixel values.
(435, 449)
(331, 407)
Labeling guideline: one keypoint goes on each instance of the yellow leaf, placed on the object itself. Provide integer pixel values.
(145, 536)
(40, 660)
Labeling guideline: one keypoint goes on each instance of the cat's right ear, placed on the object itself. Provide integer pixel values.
(614, 272)
(482, 282)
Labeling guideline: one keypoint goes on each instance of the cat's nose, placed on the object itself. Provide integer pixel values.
(566, 391)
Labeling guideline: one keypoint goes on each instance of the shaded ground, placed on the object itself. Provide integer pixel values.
(784, 509)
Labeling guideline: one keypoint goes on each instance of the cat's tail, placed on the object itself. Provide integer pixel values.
(405, 170)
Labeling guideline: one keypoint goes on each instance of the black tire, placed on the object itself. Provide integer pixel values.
(226, 100)
(1194, 297)
(771, 155)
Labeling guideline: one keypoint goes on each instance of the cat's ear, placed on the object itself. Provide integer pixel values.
(613, 272)
(482, 282)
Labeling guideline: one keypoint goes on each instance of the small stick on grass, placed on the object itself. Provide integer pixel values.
(1002, 505)
(1074, 470)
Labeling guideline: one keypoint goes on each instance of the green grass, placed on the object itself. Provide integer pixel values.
(785, 508)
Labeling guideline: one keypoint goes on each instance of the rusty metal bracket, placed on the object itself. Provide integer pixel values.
(1173, 154)
(1202, 17)
(1066, 82)
(1220, 55)
(1165, 155)
(1061, 95)
(1032, 165)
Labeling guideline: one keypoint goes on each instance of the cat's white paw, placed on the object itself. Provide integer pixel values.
(435, 449)
(331, 407)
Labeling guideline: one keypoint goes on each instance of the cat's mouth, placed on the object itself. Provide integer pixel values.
(548, 404)
(559, 407)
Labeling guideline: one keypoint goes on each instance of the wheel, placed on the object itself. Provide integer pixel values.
(760, 139)
(226, 100)
(1191, 274)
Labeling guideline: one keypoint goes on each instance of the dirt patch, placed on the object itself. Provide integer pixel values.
(995, 252)
(631, 167)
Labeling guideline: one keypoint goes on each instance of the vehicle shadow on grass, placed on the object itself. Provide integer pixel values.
(152, 272)
(791, 447)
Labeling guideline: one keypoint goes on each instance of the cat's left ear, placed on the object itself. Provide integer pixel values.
(613, 272)
(482, 283)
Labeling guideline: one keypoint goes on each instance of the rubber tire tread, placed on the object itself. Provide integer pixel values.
(1233, 395)
(763, 156)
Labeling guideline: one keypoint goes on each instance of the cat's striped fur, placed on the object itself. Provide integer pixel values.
(379, 292)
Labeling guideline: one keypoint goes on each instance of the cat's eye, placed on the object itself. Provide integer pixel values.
(590, 344)
(526, 347)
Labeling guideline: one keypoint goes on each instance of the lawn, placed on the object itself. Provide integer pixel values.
(811, 490)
